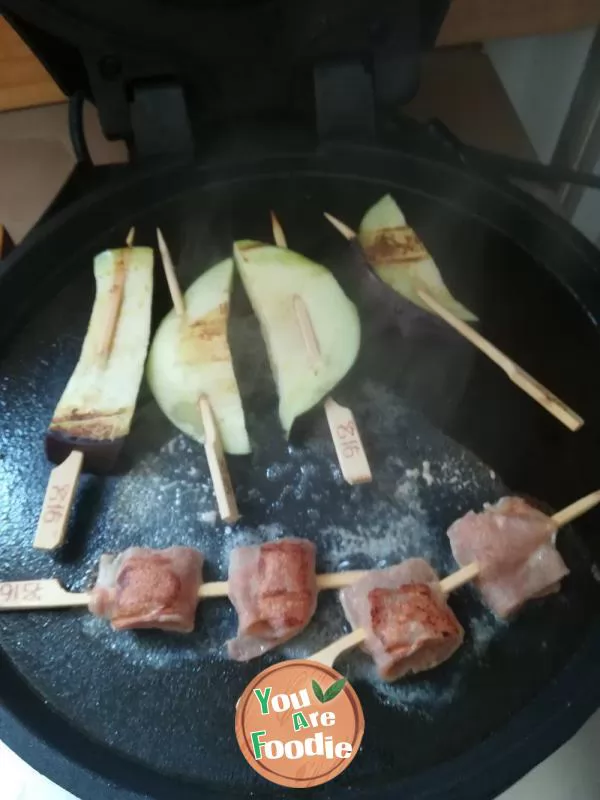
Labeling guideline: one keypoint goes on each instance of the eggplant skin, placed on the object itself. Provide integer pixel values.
(99, 455)
(381, 307)
(99, 436)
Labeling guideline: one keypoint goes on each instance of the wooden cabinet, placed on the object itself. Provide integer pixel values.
(23, 80)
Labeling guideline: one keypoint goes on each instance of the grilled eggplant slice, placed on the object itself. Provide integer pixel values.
(190, 356)
(96, 408)
(275, 279)
(400, 259)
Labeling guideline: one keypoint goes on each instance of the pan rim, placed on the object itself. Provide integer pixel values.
(556, 701)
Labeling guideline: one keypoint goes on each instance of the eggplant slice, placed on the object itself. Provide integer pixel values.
(96, 408)
(274, 278)
(400, 259)
(190, 356)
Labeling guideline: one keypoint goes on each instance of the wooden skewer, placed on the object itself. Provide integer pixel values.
(348, 445)
(44, 594)
(463, 575)
(215, 455)
(213, 446)
(517, 374)
(52, 524)
(58, 500)
(174, 288)
(214, 589)
(22, 595)
(547, 399)
(349, 449)
(340, 226)
(114, 310)
(48, 593)
(328, 580)
(337, 580)
(311, 343)
(278, 234)
(130, 237)
(342, 424)
(329, 654)
(576, 509)
(116, 301)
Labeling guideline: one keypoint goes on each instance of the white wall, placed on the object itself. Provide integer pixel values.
(540, 74)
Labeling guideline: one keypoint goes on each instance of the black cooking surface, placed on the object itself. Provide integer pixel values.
(444, 429)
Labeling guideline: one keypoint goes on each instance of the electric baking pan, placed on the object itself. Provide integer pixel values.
(134, 715)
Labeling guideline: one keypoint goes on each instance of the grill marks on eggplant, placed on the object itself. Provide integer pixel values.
(190, 356)
(96, 408)
(401, 260)
(393, 246)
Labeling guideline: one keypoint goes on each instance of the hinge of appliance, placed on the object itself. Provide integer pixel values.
(344, 101)
(135, 104)
(159, 120)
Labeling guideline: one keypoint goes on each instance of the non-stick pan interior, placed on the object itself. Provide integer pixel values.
(445, 431)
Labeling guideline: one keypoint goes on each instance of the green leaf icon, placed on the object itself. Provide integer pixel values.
(333, 691)
(318, 692)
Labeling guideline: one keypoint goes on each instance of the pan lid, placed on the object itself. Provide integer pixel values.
(229, 59)
(215, 32)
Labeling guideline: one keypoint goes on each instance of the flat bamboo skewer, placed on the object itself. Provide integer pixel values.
(48, 593)
(217, 465)
(60, 492)
(526, 382)
(342, 424)
(345, 434)
(39, 595)
(213, 446)
(328, 655)
(52, 524)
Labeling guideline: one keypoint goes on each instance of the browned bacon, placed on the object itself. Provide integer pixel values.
(273, 588)
(409, 626)
(143, 588)
(512, 543)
